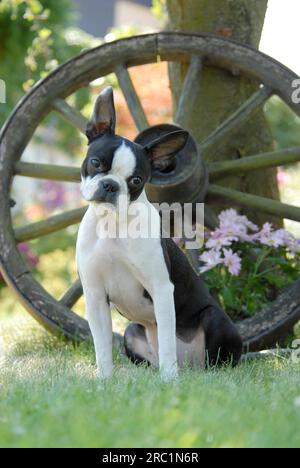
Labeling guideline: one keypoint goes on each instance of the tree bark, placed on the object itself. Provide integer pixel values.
(221, 93)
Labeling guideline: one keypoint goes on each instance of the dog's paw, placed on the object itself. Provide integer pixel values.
(104, 374)
(168, 374)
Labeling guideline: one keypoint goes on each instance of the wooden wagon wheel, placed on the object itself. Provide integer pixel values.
(49, 94)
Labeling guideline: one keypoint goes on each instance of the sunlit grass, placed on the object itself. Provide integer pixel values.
(50, 397)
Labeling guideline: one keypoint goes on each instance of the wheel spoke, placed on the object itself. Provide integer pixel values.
(52, 224)
(239, 117)
(72, 295)
(265, 205)
(71, 115)
(191, 83)
(210, 218)
(218, 170)
(48, 171)
(132, 99)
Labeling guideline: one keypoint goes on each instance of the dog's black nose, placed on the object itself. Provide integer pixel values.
(110, 186)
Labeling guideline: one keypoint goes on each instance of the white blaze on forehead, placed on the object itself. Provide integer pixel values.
(124, 162)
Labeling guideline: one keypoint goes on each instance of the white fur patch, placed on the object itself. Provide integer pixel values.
(123, 166)
(131, 265)
(124, 162)
(89, 186)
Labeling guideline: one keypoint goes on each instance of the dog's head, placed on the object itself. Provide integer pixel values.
(116, 166)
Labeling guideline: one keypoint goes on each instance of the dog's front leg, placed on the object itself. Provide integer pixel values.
(163, 301)
(100, 322)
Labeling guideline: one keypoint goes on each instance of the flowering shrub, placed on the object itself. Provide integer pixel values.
(244, 266)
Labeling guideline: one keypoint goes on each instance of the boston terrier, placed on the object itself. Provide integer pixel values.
(149, 280)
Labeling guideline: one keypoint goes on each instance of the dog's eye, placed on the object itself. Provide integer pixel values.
(136, 180)
(95, 163)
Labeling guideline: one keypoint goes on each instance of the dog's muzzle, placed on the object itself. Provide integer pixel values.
(107, 191)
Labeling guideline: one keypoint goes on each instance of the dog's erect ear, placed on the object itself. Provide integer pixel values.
(103, 119)
(163, 150)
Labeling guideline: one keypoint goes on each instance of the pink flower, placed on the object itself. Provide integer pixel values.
(219, 239)
(231, 217)
(234, 225)
(282, 176)
(294, 246)
(212, 258)
(278, 238)
(233, 228)
(52, 195)
(31, 259)
(282, 237)
(232, 261)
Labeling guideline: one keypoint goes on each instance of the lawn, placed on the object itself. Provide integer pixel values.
(50, 397)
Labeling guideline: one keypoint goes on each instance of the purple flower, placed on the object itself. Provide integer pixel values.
(212, 258)
(30, 257)
(53, 194)
(293, 245)
(235, 224)
(278, 238)
(282, 176)
(232, 261)
(219, 239)
(233, 228)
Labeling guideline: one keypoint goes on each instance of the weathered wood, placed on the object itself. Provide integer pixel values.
(76, 73)
(262, 204)
(72, 295)
(269, 327)
(277, 353)
(232, 56)
(238, 118)
(70, 114)
(190, 87)
(53, 224)
(132, 99)
(47, 171)
(210, 218)
(14, 137)
(218, 170)
(221, 92)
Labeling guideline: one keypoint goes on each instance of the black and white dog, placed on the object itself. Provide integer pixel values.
(149, 280)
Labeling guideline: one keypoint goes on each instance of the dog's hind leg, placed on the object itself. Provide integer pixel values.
(223, 342)
(137, 346)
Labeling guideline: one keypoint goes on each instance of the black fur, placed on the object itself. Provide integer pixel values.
(146, 295)
(195, 306)
(134, 330)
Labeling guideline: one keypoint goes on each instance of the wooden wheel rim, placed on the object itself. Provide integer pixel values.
(79, 72)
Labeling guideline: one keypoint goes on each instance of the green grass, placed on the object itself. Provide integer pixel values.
(50, 397)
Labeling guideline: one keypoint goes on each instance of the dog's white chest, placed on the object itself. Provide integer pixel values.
(111, 264)
(128, 294)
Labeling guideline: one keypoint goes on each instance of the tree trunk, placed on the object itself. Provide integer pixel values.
(221, 93)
